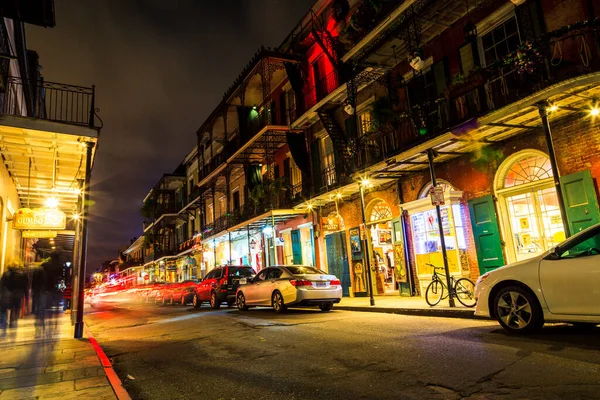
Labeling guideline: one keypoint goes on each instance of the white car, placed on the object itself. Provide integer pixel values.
(560, 285)
(289, 285)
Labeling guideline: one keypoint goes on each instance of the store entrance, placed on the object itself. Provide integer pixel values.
(380, 224)
(528, 205)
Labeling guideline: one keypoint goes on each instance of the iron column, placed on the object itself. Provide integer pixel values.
(367, 245)
(441, 229)
(555, 174)
(83, 242)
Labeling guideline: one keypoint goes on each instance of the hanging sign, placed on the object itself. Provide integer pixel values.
(279, 241)
(38, 234)
(331, 223)
(39, 218)
(437, 195)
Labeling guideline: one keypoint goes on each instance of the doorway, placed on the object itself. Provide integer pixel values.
(337, 259)
(528, 203)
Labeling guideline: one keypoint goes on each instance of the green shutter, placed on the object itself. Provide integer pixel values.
(296, 247)
(580, 199)
(486, 233)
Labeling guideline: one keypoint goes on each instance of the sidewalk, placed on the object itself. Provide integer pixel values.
(53, 366)
(407, 306)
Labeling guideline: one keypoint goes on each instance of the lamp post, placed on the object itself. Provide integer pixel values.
(441, 230)
(542, 107)
(367, 240)
(83, 243)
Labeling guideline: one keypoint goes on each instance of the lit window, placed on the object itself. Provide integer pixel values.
(365, 122)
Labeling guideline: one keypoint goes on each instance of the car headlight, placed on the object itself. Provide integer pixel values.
(482, 278)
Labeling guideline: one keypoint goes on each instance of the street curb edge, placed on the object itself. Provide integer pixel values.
(112, 376)
(463, 314)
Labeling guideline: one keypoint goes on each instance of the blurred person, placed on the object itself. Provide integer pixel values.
(38, 293)
(14, 285)
(54, 275)
(5, 302)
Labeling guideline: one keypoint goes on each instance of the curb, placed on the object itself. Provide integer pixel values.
(113, 379)
(419, 312)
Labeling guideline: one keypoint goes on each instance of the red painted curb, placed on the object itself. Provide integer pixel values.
(114, 380)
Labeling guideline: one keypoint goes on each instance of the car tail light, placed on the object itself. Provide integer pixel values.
(335, 282)
(300, 282)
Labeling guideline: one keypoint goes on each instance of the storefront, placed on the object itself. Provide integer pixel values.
(379, 221)
(528, 205)
(426, 242)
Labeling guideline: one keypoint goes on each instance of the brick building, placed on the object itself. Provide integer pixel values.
(387, 92)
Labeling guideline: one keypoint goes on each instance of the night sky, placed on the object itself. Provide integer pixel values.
(160, 68)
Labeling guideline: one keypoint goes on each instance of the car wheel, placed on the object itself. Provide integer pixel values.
(214, 303)
(171, 302)
(241, 302)
(277, 302)
(183, 303)
(196, 301)
(517, 310)
(326, 306)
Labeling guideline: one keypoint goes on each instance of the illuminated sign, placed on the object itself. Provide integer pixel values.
(39, 218)
(38, 234)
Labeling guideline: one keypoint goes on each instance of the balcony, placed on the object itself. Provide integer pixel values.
(49, 101)
(486, 90)
(212, 165)
(318, 91)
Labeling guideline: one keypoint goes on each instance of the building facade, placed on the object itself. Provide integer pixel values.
(495, 100)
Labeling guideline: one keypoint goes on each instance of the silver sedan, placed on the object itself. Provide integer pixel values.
(290, 285)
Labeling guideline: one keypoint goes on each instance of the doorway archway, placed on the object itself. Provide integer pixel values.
(530, 216)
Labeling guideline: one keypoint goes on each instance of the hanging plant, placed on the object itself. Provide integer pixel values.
(526, 59)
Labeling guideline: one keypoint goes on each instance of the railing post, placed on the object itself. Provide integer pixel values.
(93, 107)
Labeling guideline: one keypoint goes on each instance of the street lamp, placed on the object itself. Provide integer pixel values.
(367, 246)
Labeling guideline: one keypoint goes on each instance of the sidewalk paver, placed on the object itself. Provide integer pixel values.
(51, 365)
(407, 306)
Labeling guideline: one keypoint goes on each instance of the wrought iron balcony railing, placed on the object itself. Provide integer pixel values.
(50, 101)
(508, 80)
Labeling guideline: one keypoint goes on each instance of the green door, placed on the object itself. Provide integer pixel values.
(337, 259)
(580, 199)
(486, 233)
(296, 247)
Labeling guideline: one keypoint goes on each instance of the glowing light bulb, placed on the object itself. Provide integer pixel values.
(553, 108)
(594, 112)
(51, 202)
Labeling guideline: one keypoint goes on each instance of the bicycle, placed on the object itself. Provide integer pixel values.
(463, 289)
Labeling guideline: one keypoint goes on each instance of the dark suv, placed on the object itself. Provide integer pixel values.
(220, 285)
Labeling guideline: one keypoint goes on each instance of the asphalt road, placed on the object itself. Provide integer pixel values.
(174, 352)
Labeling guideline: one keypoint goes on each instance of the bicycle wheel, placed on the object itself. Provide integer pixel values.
(434, 293)
(465, 292)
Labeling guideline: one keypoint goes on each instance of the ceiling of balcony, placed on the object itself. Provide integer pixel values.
(44, 164)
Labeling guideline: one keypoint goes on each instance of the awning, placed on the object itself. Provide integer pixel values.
(45, 159)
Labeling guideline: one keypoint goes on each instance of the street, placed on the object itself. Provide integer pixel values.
(174, 352)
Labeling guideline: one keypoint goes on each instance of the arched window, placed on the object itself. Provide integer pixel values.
(380, 211)
(521, 168)
(525, 170)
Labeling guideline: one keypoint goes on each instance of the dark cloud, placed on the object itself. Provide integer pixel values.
(160, 67)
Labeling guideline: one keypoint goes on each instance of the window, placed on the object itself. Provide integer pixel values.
(236, 200)
(222, 206)
(303, 270)
(210, 214)
(262, 275)
(328, 161)
(500, 41)
(587, 244)
(364, 121)
(274, 273)
(244, 272)
(527, 170)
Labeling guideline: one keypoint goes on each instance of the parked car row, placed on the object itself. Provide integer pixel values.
(279, 287)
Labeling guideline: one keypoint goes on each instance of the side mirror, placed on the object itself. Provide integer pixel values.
(554, 253)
